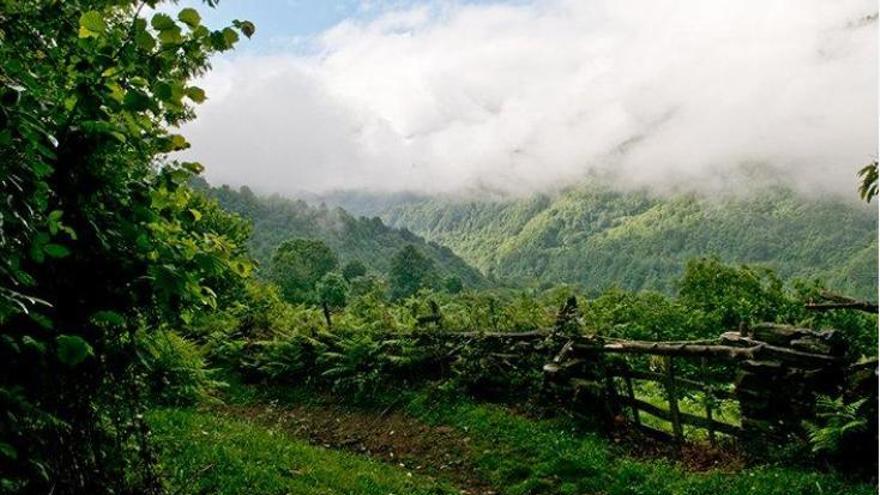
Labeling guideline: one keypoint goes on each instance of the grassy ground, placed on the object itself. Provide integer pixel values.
(212, 453)
(208, 453)
(526, 456)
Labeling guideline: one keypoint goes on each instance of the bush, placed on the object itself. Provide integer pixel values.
(284, 359)
(361, 362)
(176, 373)
(733, 295)
(837, 422)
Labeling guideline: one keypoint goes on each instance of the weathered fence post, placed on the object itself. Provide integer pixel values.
(632, 397)
(777, 389)
(707, 400)
(671, 391)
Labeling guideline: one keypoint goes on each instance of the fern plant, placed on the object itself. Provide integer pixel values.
(837, 421)
(360, 362)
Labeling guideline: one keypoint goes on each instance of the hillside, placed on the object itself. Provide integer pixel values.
(599, 237)
(276, 219)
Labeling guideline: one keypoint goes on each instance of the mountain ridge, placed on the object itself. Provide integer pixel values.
(597, 236)
(276, 219)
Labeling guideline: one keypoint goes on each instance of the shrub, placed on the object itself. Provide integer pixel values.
(175, 369)
(285, 359)
(838, 421)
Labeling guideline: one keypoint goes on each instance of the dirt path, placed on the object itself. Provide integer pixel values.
(434, 451)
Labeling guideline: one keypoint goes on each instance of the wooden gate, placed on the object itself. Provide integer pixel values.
(771, 372)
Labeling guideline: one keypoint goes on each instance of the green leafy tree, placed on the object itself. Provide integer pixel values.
(100, 233)
(365, 240)
(410, 271)
(354, 269)
(332, 292)
(366, 284)
(298, 264)
(735, 295)
(453, 284)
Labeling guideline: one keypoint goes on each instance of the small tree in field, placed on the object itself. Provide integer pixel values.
(298, 264)
(410, 271)
(733, 295)
(332, 292)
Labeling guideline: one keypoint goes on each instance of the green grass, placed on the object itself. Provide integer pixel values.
(525, 456)
(207, 453)
(517, 455)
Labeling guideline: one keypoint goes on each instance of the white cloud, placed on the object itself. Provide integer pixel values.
(518, 97)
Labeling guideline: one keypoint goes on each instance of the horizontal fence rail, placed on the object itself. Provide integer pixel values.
(779, 371)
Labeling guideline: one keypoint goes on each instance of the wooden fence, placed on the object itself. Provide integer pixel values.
(776, 377)
(772, 372)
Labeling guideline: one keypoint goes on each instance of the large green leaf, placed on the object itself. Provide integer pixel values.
(56, 250)
(230, 36)
(111, 318)
(72, 349)
(195, 94)
(136, 101)
(8, 451)
(190, 17)
(163, 22)
(91, 23)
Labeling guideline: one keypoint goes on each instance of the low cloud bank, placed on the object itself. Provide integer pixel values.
(523, 97)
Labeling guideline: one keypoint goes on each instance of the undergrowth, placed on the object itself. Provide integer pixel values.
(521, 455)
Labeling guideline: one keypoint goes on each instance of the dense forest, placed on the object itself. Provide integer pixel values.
(367, 240)
(598, 237)
(161, 336)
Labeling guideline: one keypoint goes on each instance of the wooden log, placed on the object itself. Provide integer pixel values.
(739, 348)
(833, 301)
(530, 335)
(564, 352)
(707, 401)
(802, 339)
(761, 350)
(612, 340)
(655, 433)
(866, 307)
(683, 350)
(590, 385)
(815, 346)
(632, 395)
(672, 393)
(553, 368)
(686, 418)
(763, 367)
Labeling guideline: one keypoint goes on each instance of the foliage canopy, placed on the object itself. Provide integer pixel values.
(100, 233)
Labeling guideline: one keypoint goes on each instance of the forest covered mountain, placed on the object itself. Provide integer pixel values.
(599, 237)
(276, 219)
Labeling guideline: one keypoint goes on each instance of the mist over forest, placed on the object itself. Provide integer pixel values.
(516, 97)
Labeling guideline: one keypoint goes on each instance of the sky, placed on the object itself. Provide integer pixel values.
(519, 96)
